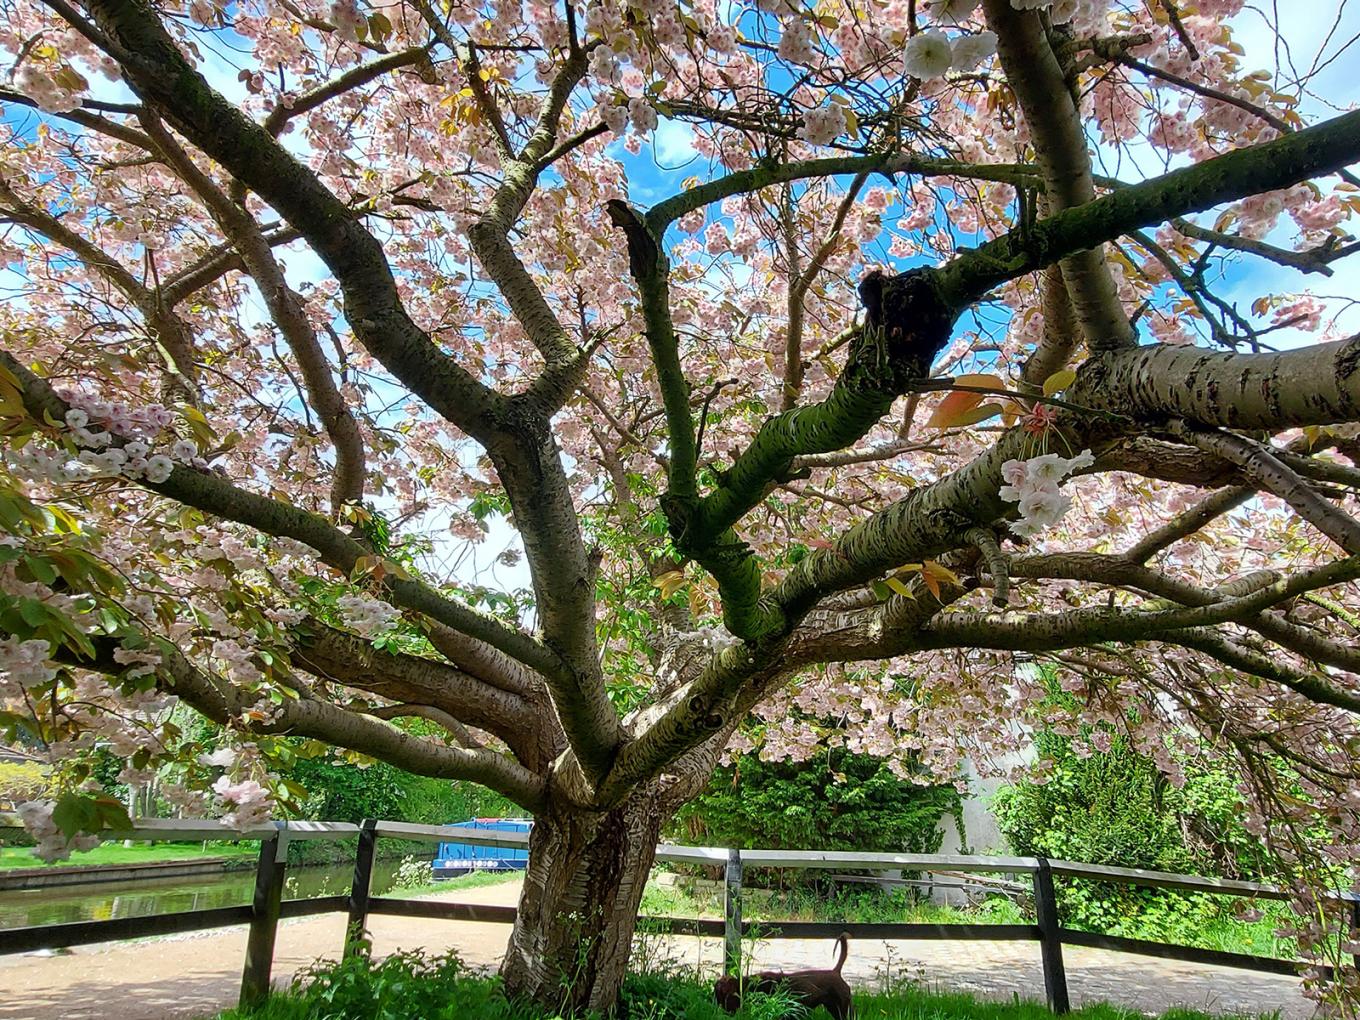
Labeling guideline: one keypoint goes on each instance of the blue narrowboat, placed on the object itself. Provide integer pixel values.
(456, 859)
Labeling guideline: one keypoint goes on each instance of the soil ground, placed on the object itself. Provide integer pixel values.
(195, 976)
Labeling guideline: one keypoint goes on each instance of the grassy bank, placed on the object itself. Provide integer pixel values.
(116, 853)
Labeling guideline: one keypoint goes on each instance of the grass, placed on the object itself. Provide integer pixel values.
(412, 985)
(473, 881)
(916, 1004)
(872, 905)
(116, 853)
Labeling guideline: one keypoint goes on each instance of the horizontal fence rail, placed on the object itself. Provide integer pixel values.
(268, 906)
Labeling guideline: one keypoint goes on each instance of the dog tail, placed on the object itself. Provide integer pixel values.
(843, 942)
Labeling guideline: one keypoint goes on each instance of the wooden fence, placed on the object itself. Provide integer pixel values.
(268, 905)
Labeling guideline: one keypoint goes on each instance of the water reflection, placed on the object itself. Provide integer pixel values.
(63, 904)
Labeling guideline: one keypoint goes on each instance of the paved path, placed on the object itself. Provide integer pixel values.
(195, 976)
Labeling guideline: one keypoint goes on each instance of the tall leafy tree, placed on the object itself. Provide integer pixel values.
(886, 382)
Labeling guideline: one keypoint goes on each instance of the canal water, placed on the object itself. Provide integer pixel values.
(62, 904)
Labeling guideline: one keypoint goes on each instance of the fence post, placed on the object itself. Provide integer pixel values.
(1355, 926)
(359, 889)
(732, 914)
(1050, 938)
(264, 923)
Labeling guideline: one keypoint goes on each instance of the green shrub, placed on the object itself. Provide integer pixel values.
(343, 792)
(1116, 808)
(837, 801)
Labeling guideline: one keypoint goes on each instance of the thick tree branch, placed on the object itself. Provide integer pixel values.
(460, 733)
(1317, 385)
(1037, 78)
(1268, 472)
(287, 311)
(343, 658)
(1062, 333)
(650, 269)
(159, 73)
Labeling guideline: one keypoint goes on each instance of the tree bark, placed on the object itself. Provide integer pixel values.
(574, 933)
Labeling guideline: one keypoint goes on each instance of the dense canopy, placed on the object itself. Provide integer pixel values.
(557, 395)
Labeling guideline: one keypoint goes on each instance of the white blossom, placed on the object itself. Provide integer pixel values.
(346, 18)
(952, 11)
(643, 115)
(223, 757)
(370, 617)
(1033, 486)
(159, 468)
(250, 803)
(24, 664)
(927, 55)
(969, 51)
(52, 845)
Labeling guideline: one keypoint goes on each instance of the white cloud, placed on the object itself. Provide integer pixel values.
(674, 142)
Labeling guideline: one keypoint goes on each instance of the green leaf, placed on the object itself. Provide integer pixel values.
(41, 569)
(1059, 381)
(74, 814)
(896, 585)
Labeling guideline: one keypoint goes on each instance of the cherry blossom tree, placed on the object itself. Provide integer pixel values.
(909, 375)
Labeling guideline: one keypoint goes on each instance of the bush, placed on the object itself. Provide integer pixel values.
(837, 801)
(412, 873)
(1116, 808)
(343, 792)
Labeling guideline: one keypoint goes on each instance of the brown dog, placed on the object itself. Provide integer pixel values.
(812, 988)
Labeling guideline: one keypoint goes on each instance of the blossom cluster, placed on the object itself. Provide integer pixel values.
(345, 16)
(25, 665)
(1033, 485)
(52, 844)
(250, 803)
(239, 659)
(115, 440)
(50, 95)
(823, 125)
(369, 616)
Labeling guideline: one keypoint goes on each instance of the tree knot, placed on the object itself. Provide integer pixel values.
(906, 324)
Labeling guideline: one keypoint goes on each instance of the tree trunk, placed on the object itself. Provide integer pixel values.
(574, 932)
